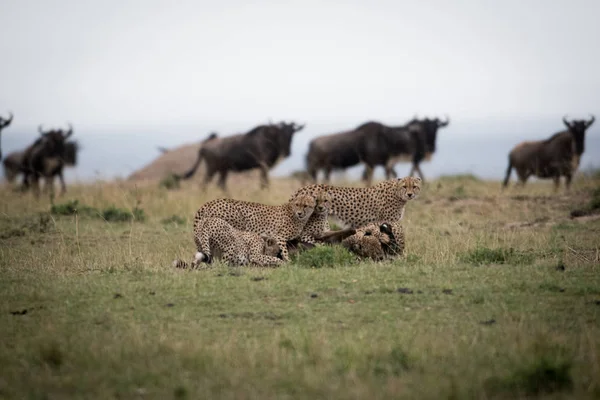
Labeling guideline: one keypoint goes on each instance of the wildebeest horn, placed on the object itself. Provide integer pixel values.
(10, 117)
(566, 122)
(299, 127)
(69, 132)
(446, 122)
(40, 130)
(590, 122)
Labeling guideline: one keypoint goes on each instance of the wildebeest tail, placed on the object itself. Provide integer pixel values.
(508, 171)
(192, 171)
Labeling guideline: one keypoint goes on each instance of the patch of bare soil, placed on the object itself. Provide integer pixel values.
(178, 161)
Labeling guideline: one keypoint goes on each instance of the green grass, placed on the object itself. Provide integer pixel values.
(91, 308)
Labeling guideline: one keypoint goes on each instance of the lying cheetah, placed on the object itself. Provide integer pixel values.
(317, 223)
(376, 242)
(282, 222)
(215, 237)
(383, 202)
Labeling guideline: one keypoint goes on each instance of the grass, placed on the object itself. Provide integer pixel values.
(479, 308)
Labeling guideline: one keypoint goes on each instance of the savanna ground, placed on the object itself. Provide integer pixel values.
(498, 296)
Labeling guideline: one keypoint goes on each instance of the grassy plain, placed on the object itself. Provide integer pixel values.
(498, 296)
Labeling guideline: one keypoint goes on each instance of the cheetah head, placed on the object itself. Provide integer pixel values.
(303, 206)
(369, 242)
(409, 187)
(270, 246)
(323, 201)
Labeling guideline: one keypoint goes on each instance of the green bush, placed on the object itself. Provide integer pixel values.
(111, 213)
(325, 256)
(72, 207)
(485, 256)
(115, 214)
(169, 182)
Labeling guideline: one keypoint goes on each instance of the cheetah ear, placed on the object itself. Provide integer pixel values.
(418, 180)
(385, 228)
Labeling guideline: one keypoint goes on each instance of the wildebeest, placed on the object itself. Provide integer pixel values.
(46, 158)
(3, 124)
(262, 147)
(13, 167)
(428, 128)
(371, 143)
(554, 157)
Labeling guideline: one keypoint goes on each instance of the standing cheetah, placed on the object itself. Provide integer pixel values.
(381, 203)
(215, 237)
(282, 222)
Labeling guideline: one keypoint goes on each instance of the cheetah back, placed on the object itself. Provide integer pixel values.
(383, 202)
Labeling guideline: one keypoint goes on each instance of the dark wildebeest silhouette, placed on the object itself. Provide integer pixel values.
(371, 143)
(262, 148)
(13, 162)
(46, 158)
(429, 128)
(554, 157)
(3, 124)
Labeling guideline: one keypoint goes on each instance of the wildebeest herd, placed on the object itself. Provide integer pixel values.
(372, 144)
(45, 158)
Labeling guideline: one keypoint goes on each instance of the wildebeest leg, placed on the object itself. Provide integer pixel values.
(63, 187)
(312, 172)
(264, 176)
(523, 176)
(25, 183)
(222, 179)
(327, 175)
(556, 182)
(35, 184)
(390, 172)
(508, 171)
(48, 184)
(368, 175)
(568, 178)
(418, 169)
(208, 176)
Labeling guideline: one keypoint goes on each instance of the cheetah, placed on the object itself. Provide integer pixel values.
(376, 242)
(380, 203)
(317, 223)
(215, 237)
(282, 222)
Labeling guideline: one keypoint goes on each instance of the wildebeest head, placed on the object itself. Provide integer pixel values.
(285, 135)
(577, 128)
(54, 140)
(430, 128)
(6, 122)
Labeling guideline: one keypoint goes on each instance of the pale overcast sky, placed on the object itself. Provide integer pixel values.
(144, 63)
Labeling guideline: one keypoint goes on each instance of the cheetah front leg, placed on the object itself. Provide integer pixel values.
(282, 243)
(201, 238)
(265, 261)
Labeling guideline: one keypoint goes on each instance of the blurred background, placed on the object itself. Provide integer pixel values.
(134, 75)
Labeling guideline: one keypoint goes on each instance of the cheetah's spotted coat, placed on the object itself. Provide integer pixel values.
(282, 222)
